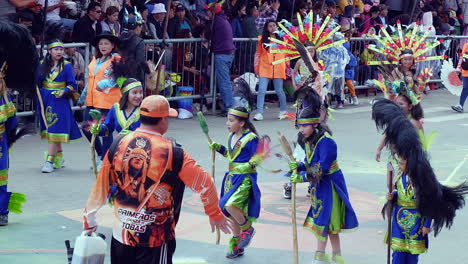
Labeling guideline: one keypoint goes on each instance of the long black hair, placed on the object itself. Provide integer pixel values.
(266, 33)
(248, 124)
(435, 201)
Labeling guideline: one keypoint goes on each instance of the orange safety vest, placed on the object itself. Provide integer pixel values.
(95, 97)
(265, 65)
(465, 49)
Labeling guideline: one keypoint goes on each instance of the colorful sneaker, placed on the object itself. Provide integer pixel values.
(287, 191)
(234, 249)
(457, 108)
(246, 237)
(4, 220)
(48, 167)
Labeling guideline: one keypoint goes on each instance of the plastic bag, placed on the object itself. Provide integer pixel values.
(89, 249)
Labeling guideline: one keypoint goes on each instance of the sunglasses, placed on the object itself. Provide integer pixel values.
(98, 11)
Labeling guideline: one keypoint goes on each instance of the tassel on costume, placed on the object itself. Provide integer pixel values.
(16, 202)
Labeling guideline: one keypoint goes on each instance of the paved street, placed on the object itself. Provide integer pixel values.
(55, 201)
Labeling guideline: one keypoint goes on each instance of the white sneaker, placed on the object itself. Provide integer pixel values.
(282, 115)
(258, 117)
(48, 167)
(355, 100)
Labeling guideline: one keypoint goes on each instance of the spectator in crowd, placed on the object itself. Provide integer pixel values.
(269, 13)
(149, 30)
(105, 4)
(132, 48)
(265, 69)
(111, 22)
(53, 13)
(179, 22)
(335, 59)
(76, 59)
(200, 10)
(464, 94)
(382, 19)
(236, 21)
(372, 20)
(88, 27)
(202, 58)
(342, 4)
(331, 10)
(347, 20)
(8, 7)
(350, 72)
(249, 29)
(222, 45)
(183, 61)
(159, 14)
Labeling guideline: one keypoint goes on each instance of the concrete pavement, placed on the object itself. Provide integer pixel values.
(55, 200)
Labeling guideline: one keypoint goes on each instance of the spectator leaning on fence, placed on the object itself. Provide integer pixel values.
(265, 69)
(159, 14)
(222, 45)
(111, 22)
(179, 22)
(87, 27)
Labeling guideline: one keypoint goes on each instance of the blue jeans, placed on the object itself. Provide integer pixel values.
(223, 77)
(404, 258)
(262, 87)
(464, 93)
(101, 147)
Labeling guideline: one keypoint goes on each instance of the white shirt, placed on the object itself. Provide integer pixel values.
(54, 14)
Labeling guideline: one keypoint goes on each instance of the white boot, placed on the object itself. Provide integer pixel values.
(355, 100)
(48, 167)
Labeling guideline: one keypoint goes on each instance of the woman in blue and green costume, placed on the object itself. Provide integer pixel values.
(56, 81)
(331, 212)
(240, 195)
(8, 124)
(124, 116)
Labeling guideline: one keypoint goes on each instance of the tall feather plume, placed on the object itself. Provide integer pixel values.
(435, 201)
(305, 55)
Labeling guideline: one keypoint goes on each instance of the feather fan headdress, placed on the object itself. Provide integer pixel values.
(408, 39)
(308, 31)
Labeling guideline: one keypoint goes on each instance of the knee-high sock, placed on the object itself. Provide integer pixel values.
(350, 85)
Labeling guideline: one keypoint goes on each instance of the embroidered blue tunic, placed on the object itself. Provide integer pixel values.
(117, 120)
(239, 186)
(407, 222)
(8, 122)
(331, 211)
(58, 113)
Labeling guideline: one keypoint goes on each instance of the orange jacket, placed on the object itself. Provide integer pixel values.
(95, 97)
(264, 63)
(139, 180)
(465, 49)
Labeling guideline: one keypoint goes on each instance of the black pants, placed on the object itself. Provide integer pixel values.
(123, 254)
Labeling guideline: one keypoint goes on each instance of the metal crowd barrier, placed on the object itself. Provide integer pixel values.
(190, 60)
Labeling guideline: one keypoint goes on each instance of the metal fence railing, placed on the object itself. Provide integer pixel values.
(189, 64)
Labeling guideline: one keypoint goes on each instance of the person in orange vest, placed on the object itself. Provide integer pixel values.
(464, 94)
(265, 69)
(102, 91)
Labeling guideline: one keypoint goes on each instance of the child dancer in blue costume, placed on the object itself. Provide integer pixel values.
(240, 195)
(124, 116)
(56, 81)
(331, 211)
(18, 61)
(418, 199)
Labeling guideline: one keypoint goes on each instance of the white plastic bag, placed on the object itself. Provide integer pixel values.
(89, 249)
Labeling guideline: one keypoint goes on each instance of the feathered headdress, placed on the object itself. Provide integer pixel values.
(294, 38)
(435, 201)
(392, 83)
(411, 40)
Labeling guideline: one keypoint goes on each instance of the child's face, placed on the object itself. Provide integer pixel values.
(401, 164)
(234, 124)
(308, 130)
(56, 53)
(403, 103)
(135, 96)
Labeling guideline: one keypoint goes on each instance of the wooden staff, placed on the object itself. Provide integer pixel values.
(96, 116)
(389, 212)
(204, 126)
(288, 150)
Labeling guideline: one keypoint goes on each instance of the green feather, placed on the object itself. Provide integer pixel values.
(120, 81)
(95, 114)
(15, 204)
(202, 120)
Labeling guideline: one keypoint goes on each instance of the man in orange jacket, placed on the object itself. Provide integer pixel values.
(144, 176)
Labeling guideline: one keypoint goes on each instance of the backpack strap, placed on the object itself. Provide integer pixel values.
(178, 192)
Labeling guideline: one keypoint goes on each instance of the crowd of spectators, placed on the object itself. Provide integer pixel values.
(84, 19)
